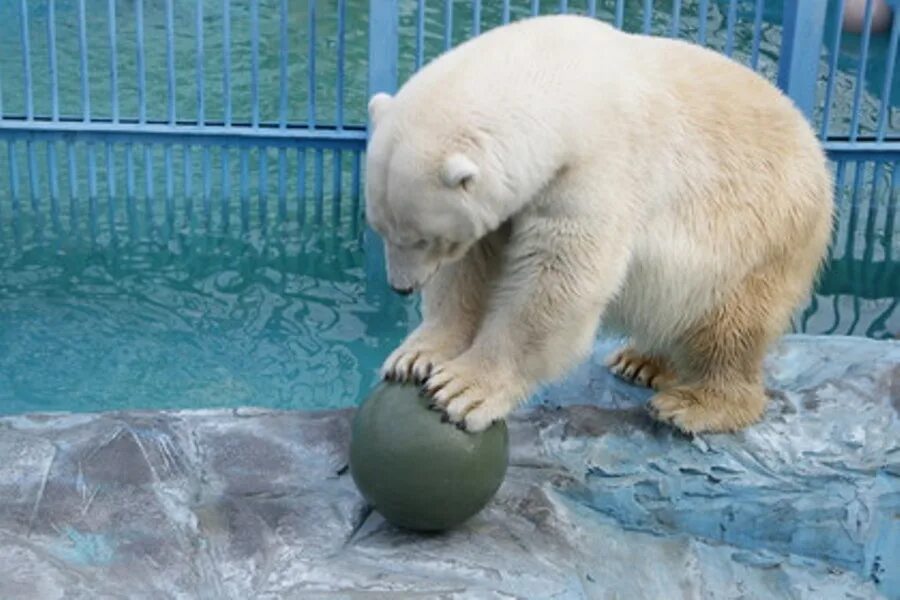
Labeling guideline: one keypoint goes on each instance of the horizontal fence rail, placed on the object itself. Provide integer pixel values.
(129, 117)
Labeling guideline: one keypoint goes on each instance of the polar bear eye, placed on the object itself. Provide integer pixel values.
(421, 244)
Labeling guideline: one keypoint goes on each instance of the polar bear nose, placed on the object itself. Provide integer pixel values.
(403, 291)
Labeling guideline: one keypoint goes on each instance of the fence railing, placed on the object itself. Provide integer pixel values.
(132, 116)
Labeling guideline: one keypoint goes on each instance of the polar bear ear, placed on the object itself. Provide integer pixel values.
(377, 105)
(458, 171)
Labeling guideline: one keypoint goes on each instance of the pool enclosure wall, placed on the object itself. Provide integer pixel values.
(122, 119)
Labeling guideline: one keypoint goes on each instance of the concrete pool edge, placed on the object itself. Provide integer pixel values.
(257, 502)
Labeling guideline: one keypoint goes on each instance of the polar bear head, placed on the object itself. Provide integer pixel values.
(428, 194)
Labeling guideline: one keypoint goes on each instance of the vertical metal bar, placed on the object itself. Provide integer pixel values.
(803, 28)
(703, 19)
(311, 55)
(170, 184)
(339, 117)
(620, 14)
(170, 59)
(563, 6)
(890, 71)
(282, 64)
(113, 62)
(476, 17)
(336, 188)
(244, 188)
(383, 54)
(870, 235)
(592, 8)
(861, 73)
(141, 71)
(676, 18)
(282, 184)
(148, 183)
(854, 210)
(188, 182)
(51, 51)
(1, 92)
(263, 190)
(13, 177)
(110, 188)
(52, 176)
(32, 176)
(25, 37)
(319, 185)
(73, 186)
(357, 192)
(129, 187)
(420, 34)
(207, 184)
(892, 206)
(757, 32)
(535, 8)
(226, 186)
(730, 21)
(92, 188)
(448, 24)
(226, 59)
(83, 54)
(832, 70)
(301, 186)
(648, 16)
(254, 62)
(201, 59)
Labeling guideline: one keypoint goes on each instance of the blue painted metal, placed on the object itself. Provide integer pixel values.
(476, 17)
(757, 32)
(51, 61)
(861, 71)
(730, 20)
(26, 58)
(448, 24)
(334, 142)
(282, 65)
(803, 30)
(200, 59)
(704, 19)
(141, 69)
(648, 16)
(311, 57)
(341, 35)
(83, 55)
(676, 18)
(890, 73)
(226, 59)
(113, 61)
(832, 70)
(383, 56)
(254, 62)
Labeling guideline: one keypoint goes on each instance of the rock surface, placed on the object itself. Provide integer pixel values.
(599, 502)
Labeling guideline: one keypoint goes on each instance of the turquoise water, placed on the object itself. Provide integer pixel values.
(158, 309)
(191, 322)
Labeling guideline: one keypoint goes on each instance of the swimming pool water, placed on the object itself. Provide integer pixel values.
(279, 316)
(191, 322)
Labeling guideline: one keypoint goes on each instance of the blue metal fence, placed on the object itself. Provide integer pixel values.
(133, 116)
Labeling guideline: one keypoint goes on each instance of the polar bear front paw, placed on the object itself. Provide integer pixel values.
(417, 357)
(473, 394)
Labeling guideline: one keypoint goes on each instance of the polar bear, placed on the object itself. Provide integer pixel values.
(554, 178)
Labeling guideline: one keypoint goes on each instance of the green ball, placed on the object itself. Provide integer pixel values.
(418, 472)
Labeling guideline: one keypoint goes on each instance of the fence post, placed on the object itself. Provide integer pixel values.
(798, 65)
(383, 51)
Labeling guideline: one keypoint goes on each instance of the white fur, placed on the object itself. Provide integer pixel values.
(555, 171)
